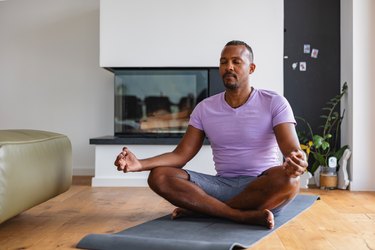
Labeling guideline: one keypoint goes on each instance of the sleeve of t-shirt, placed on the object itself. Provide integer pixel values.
(281, 111)
(196, 117)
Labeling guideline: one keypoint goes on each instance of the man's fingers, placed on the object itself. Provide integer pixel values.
(299, 159)
(295, 166)
(122, 160)
(125, 169)
(118, 160)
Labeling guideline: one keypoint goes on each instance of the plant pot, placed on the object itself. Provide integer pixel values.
(328, 178)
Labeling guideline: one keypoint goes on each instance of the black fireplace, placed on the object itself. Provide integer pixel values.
(153, 105)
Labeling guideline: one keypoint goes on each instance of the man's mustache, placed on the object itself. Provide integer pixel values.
(230, 74)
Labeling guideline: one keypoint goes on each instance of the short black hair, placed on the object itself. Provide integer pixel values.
(238, 42)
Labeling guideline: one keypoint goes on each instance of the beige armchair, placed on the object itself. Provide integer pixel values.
(34, 167)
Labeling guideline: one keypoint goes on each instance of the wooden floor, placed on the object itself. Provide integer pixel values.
(340, 220)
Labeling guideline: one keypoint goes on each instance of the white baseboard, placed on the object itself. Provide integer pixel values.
(83, 172)
(119, 182)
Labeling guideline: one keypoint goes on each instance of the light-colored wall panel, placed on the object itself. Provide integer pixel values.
(149, 33)
(50, 78)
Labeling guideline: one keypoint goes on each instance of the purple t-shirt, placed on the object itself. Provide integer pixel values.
(242, 139)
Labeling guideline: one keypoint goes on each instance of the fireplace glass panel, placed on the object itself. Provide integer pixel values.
(157, 102)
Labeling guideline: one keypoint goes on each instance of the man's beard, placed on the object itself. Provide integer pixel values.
(230, 85)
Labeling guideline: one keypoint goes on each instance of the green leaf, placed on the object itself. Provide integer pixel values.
(325, 145)
(317, 140)
(314, 167)
(335, 99)
(344, 87)
(319, 158)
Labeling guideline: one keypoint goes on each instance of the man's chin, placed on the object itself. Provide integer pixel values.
(230, 85)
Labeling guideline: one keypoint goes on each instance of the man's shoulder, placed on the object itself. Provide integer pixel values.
(270, 95)
(208, 104)
(214, 99)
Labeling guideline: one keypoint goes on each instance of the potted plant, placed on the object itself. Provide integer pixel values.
(325, 144)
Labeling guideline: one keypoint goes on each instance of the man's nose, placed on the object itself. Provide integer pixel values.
(229, 67)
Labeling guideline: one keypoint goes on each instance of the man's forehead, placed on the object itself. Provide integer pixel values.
(234, 51)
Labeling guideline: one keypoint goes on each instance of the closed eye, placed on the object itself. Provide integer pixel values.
(223, 61)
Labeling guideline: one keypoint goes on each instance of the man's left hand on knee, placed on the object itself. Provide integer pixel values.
(295, 163)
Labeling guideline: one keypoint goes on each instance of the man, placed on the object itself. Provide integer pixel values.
(246, 128)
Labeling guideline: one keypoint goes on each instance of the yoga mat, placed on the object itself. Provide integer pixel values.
(192, 233)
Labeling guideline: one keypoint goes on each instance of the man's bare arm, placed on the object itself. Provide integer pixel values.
(188, 147)
(287, 139)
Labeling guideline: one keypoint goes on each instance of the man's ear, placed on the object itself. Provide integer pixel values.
(252, 68)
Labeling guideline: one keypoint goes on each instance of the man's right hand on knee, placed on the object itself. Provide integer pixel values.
(126, 161)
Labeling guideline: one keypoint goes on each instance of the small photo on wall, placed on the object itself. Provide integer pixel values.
(306, 48)
(314, 53)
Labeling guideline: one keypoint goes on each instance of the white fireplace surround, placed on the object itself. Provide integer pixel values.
(169, 33)
(106, 174)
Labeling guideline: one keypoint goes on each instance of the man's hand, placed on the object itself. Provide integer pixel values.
(295, 163)
(126, 161)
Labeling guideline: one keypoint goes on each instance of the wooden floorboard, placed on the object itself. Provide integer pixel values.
(340, 220)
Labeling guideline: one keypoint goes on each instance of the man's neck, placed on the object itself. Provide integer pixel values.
(237, 98)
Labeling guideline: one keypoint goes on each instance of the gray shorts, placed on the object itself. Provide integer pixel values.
(225, 188)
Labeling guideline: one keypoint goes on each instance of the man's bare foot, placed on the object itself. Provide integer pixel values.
(181, 212)
(253, 217)
(258, 217)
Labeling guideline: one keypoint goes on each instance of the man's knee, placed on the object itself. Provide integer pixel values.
(282, 181)
(155, 178)
(161, 179)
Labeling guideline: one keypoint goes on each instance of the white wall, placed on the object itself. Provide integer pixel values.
(347, 75)
(192, 33)
(50, 78)
(358, 60)
(363, 95)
